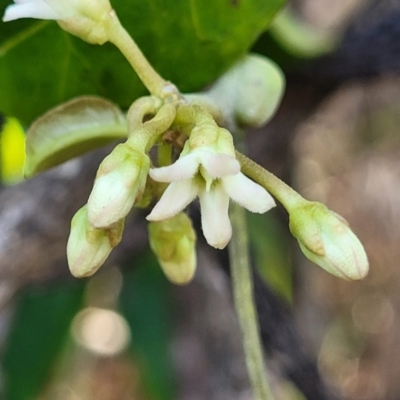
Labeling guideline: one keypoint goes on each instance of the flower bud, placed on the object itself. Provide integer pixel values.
(326, 239)
(120, 182)
(88, 247)
(252, 88)
(173, 242)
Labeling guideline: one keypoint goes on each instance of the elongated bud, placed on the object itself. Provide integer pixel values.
(88, 247)
(326, 239)
(173, 242)
(120, 182)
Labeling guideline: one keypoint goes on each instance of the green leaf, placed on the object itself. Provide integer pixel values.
(37, 334)
(190, 42)
(70, 130)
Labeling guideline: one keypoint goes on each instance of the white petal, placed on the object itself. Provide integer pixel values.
(30, 9)
(177, 196)
(248, 193)
(215, 221)
(219, 165)
(183, 168)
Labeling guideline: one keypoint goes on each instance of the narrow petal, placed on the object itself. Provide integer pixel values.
(215, 221)
(219, 165)
(183, 168)
(248, 193)
(32, 9)
(177, 196)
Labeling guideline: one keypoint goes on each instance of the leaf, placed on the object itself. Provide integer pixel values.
(70, 130)
(190, 42)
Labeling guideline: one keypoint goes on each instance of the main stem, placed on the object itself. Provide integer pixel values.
(244, 303)
(147, 74)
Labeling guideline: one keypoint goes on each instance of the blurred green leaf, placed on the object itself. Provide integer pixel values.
(71, 129)
(190, 42)
(271, 250)
(40, 327)
(146, 304)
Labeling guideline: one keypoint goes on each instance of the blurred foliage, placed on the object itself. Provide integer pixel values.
(271, 249)
(146, 304)
(37, 334)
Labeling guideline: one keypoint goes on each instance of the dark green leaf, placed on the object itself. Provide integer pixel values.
(190, 42)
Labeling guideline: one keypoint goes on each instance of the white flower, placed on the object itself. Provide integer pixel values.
(83, 18)
(212, 173)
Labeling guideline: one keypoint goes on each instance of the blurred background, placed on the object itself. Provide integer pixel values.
(128, 334)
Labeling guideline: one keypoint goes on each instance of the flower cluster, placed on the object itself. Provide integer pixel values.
(207, 166)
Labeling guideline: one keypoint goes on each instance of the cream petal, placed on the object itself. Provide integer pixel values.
(30, 9)
(248, 193)
(176, 197)
(215, 221)
(183, 168)
(219, 165)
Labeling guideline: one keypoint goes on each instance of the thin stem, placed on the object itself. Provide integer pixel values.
(139, 109)
(244, 304)
(144, 136)
(279, 189)
(147, 74)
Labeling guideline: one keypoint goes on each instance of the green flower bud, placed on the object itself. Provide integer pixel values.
(326, 239)
(252, 89)
(173, 242)
(88, 247)
(120, 182)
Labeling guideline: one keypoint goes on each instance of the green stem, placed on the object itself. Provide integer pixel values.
(279, 189)
(151, 79)
(147, 105)
(244, 304)
(193, 114)
(143, 137)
